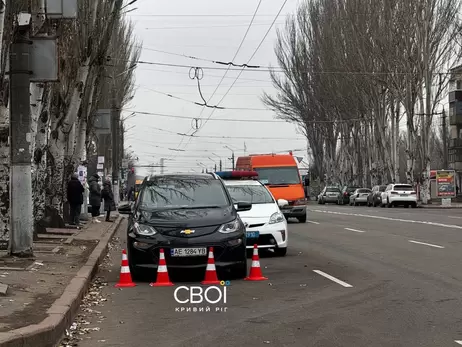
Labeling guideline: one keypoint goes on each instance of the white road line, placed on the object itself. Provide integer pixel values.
(356, 230)
(312, 222)
(452, 226)
(426, 244)
(458, 341)
(336, 280)
(454, 217)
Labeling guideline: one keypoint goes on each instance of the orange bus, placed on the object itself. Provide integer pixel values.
(279, 172)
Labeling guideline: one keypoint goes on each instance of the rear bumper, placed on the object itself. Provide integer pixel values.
(403, 199)
(330, 199)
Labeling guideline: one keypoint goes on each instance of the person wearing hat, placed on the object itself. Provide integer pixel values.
(75, 199)
(95, 197)
(108, 196)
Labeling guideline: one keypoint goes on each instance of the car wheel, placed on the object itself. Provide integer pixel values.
(414, 205)
(388, 203)
(280, 252)
(302, 219)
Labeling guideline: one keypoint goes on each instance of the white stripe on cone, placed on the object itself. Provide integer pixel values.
(162, 268)
(124, 256)
(210, 267)
(255, 251)
(255, 263)
(162, 256)
(210, 255)
(125, 270)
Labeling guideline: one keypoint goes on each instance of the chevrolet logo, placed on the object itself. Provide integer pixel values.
(187, 231)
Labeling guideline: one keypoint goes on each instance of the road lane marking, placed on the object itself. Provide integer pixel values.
(451, 226)
(426, 244)
(356, 230)
(312, 222)
(332, 278)
(454, 217)
(458, 341)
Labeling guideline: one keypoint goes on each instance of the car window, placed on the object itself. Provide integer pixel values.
(351, 189)
(253, 194)
(174, 192)
(332, 189)
(403, 187)
(364, 190)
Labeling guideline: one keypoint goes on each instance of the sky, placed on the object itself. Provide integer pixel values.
(170, 33)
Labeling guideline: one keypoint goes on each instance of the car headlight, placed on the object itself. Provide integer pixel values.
(230, 227)
(276, 217)
(144, 230)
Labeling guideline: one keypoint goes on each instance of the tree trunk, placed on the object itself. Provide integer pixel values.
(4, 177)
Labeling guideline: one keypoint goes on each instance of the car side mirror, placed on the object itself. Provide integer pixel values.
(282, 203)
(125, 209)
(244, 206)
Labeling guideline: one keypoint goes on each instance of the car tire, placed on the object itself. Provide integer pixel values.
(302, 219)
(414, 205)
(280, 252)
(388, 204)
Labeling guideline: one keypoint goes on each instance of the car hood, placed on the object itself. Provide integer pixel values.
(259, 211)
(188, 218)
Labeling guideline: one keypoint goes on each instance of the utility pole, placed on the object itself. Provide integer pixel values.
(162, 165)
(215, 167)
(221, 165)
(115, 125)
(232, 159)
(445, 141)
(21, 207)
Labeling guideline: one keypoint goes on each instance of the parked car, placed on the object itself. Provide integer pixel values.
(344, 196)
(359, 197)
(185, 214)
(375, 197)
(329, 195)
(399, 194)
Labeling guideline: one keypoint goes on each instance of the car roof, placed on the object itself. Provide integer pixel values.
(242, 183)
(183, 175)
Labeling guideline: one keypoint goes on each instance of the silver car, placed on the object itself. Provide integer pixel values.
(329, 195)
(359, 196)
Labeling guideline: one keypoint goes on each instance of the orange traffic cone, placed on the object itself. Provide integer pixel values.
(255, 270)
(162, 274)
(210, 272)
(125, 280)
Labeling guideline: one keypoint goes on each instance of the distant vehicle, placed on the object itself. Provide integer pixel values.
(344, 196)
(185, 215)
(375, 197)
(265, 224)
(359, 196)
(138, 184)
(329, 195)
(279, 172)
(399, 194)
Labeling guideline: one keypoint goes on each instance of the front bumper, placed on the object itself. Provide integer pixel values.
(228, 250)
(270, 235)
(294, 211)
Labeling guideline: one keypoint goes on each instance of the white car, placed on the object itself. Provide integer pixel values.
(399, 194)
(359, 196)
(266, 225)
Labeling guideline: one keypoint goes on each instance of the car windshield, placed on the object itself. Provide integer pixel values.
(177, 192)
(278, 175)
(332, 189)
(403, 187)
(351, 189)
(252, 194)
(364, 190)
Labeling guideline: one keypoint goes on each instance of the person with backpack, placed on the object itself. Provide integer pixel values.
(108, 196)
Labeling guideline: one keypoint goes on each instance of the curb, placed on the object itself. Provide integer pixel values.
(49, 332)
(441, 207)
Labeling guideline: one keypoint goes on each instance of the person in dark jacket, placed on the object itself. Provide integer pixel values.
(75, 198)
(95, 197)
(108, 196)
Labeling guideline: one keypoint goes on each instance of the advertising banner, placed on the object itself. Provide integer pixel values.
(445, 183)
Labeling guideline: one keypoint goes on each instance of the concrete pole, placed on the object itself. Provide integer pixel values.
(445, 141)
(115, 120)
(21, 206)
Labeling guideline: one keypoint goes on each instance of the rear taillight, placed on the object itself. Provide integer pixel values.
(413, 193)
(394, 193)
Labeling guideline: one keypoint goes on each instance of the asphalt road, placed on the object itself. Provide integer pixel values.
(354, 276)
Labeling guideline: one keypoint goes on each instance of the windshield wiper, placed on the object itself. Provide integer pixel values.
(194, 207)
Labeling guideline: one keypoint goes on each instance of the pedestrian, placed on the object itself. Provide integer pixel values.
(95, 197)
(307, 186)
(108, 196)
(130, 194)
(75, 198)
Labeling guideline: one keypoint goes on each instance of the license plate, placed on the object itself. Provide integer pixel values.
(253, 234)
(403, 195)
(188, 252)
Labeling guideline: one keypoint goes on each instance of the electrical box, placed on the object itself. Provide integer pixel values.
(61, 9)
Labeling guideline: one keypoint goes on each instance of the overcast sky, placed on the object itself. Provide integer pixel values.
(210, 30)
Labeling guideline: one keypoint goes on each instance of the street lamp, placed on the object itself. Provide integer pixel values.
(232, 151)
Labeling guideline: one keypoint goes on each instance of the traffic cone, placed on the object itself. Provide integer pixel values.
(162, 274)
(255, 270)
(125, 280)
(210, 272)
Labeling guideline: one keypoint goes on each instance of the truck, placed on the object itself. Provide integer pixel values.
(280, 173)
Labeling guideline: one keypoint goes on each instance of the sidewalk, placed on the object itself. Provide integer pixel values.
(454, 205)
(65, 261)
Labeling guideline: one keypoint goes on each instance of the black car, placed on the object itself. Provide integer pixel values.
(375, 197)
(344, 196)
(185, 214)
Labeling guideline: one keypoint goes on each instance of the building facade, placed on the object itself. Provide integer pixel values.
(455, 123)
